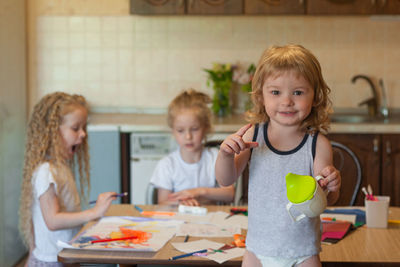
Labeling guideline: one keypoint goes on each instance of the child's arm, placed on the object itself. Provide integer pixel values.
(323, 165)
(57, 220)
(225, 194)
(162, 196)
(228, 165)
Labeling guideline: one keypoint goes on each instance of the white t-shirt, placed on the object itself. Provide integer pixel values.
(173, 173)
(45, 240)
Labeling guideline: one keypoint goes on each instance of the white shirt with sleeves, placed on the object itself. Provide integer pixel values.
(46, 240)
(173, 173)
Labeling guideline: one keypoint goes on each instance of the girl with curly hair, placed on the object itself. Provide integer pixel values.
(50, 202)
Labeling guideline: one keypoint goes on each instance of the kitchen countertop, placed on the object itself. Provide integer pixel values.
(135, 122)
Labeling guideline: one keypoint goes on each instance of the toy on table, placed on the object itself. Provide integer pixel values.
(234, 211)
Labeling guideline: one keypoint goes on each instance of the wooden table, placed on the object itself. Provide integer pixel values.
(362, 246)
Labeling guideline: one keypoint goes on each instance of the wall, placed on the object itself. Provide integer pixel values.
(120, 62)
(12, 125)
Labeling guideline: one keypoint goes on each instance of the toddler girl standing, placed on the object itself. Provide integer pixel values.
(187, 175)
(291, 106)
(50, 204)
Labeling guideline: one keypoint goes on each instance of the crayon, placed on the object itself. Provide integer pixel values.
(113, 239)
(116, 195)
(138, 208)
(188, 254)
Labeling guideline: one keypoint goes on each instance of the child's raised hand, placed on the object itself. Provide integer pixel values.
(235, 143)
(332, 179)
(103, 203)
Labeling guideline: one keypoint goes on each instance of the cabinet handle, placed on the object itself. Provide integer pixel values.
(135, 159)
(376, 145)
(388, 153)
(388, 148)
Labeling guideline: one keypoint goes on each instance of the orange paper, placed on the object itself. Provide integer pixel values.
(160, 213)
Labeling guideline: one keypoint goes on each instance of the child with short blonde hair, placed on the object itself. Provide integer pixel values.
(187, 175)
(50, 202)
(291, 107)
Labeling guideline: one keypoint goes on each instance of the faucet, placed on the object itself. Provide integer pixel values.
(372, 103)
(384, 109)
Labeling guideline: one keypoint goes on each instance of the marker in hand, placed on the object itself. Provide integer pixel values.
(116, 195)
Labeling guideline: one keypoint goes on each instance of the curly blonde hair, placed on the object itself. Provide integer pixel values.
(195, 101)
(279, 59)
(44, 144)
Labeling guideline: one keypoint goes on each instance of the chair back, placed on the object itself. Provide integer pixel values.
(349, 166)
(151, 194)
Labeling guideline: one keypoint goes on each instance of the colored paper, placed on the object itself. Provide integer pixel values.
(108, 234)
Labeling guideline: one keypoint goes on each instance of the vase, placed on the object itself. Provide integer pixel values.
(221, 104)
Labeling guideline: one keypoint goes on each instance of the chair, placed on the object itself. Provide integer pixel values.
(151, 194)
(349, 166)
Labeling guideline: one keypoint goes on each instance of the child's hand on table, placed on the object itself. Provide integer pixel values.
(186, 197)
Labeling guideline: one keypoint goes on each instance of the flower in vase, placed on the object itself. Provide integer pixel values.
(244, 76)
(220, 79)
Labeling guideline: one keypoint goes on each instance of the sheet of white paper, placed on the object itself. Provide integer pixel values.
(207, 230)
(219, 257)
(228, 254)
(189, 217)
(191, 246)
(160, 232)
(62, 244)
(218, 217)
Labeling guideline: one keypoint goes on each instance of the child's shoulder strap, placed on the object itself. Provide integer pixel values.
(314, 144)
(256, 127)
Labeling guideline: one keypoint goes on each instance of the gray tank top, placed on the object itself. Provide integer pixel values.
(271, 231)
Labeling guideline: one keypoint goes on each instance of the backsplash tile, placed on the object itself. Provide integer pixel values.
(142, 62)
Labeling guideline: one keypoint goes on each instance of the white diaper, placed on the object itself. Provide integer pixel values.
(281, 262)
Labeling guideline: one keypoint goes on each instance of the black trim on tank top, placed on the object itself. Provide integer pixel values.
(282, 152)
(254, 136)
(255, 132)
(314, 144)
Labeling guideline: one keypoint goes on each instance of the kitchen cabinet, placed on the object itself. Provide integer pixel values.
(388, 7)
(214, 7)
(157, 7)
(353, 7)
(105, 163)
(390, 183)
(379, 156)
(274, 7)
(189, 7)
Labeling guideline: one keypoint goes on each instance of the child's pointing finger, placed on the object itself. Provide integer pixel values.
(243, 130)
(251, 144)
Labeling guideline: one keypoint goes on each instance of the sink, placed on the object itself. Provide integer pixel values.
(364, 118)
(352, 118)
